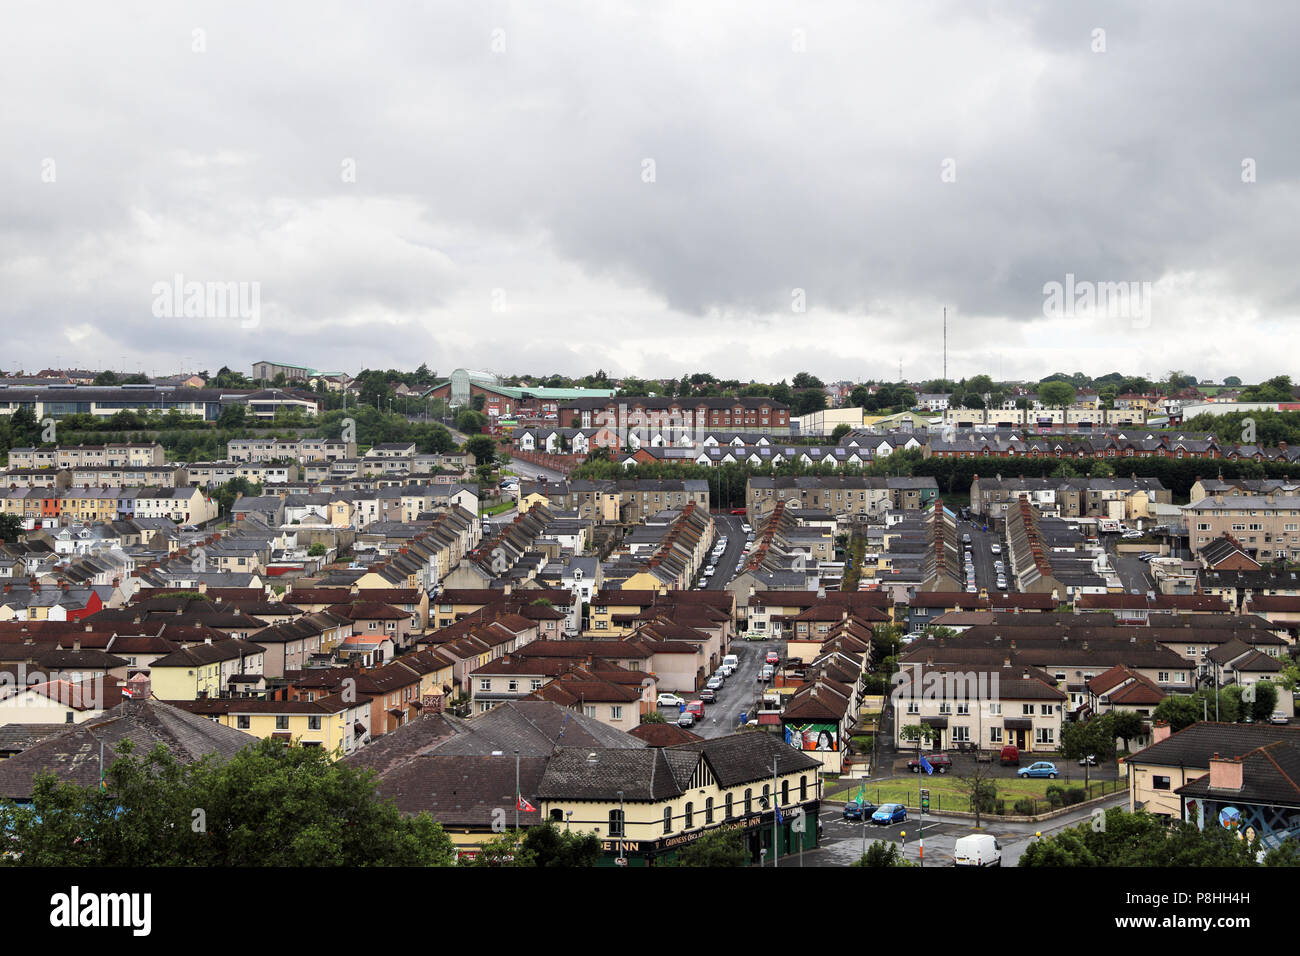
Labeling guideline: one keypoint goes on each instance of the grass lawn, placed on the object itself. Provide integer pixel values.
(497, 509)
(945, 790)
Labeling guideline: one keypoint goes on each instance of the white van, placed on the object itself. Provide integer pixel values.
(732, 661)
(981, 849)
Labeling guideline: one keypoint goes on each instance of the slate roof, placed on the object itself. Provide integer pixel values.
(1268, 776)
(1193, 746)
(73, 756)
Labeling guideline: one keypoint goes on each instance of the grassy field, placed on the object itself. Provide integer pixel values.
(946, 792)
(497, 509)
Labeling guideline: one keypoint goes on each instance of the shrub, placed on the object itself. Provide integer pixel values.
(1024, 807)
(1075, 795)
(1055, 795)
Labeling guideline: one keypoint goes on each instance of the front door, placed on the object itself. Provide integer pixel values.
(1020, 740)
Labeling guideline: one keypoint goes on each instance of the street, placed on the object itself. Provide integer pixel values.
(726, 564)
(740, 692)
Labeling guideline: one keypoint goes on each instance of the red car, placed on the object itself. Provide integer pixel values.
(696, 707)
(773, 657)
(737, 511)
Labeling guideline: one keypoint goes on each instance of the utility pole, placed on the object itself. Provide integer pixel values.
(776, 813)
(945, 343)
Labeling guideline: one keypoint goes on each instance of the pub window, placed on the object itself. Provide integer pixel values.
(616, 823)
(668, 819)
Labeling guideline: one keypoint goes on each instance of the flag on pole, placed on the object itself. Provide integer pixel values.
(926, 765)
(780, 818)
(524, 805)
(861, 798)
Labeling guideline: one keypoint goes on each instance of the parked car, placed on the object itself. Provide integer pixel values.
(856, 811)
(890, 813)
(714, 683)
(980, 849)
(686, 719)
(708, 696)
(1279, 718)
(941, 763)
(767, 672)
(965, 538)
(670, 700)
(746, 528)
(725, 670)
(773, 657)
(731, 660)
(995, 548)
(695, 707)
(1043, 768)
(1010, 756)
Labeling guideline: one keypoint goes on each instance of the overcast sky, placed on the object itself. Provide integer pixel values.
(751, 189)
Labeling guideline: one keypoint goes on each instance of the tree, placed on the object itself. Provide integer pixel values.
(1126, 725)
(483, 448)
(1056, 394)
(881, 853)
(269, 805)
(11, 527)
(317, 550)
(232, 416)
(980, 788)
(1179, 711)
(1232, 380)
(470, 421)
(545, 845)
(1139, 839)
(840, 431)
(1287, 853)
(653, 717)
(716, 848)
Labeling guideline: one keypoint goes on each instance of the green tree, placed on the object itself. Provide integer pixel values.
(317, 550)
(714, 849)
(653, 717)
(269, 805)
(483, 448)
(1056, 394)
(840, 431)
(11, 527)
(881, 853)
(1139, 839)
(545, 845)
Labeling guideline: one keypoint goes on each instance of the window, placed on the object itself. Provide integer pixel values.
(535, 684)
(668, 819)
(1027, 710)
(485, 683)
(730, 809)
(616, 823)
(690, 815)
(1047, 709)
(785, 792)
(557, 816)
(749, 800)
(282, 722)
(313, 723)
(708, 811)
(589, 710)
(995, 708)
(616, 713)
(803, 788)
(963, 708)
(995, 735)
(961, 734)
(1044, 735)
(913, 707)
(1159, 783)
(1162, 677)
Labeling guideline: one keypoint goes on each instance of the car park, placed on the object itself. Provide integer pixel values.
(890, 813)
(669, 700)
(1043, 768)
